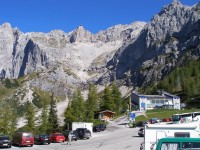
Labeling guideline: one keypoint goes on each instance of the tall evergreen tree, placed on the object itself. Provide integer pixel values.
(75, 110)
(69, 117)
(117, 97)
(107, 100)
(91, 103)
(53, 118)
(78, 106)
(43, 118)
(30, 117)
(6, 121)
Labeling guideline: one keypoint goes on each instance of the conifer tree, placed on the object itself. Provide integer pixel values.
(7, 123)
(75, 110)
(117, 97)
(53, 118)
(43, 118)
(107, 100)
(91, 103)
(78, 106)
(69, 116)
(30, 117)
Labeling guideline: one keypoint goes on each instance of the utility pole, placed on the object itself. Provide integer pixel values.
(129, 81)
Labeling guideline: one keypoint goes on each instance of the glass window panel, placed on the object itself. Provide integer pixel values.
(170, 146)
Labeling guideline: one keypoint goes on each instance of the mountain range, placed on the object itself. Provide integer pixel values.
(142, 52)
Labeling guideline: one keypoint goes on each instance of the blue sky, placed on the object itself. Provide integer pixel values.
(94, 15)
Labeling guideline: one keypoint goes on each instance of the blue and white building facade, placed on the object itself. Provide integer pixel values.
(145, 102)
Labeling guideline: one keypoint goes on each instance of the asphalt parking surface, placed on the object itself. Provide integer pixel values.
(117, 136)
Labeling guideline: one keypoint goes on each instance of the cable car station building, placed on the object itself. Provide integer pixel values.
(165, 101)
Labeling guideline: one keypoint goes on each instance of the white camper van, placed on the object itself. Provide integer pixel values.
(154, 132)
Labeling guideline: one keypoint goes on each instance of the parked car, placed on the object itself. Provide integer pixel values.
(141, 123)
(99, 127)
(83, 133)
(96, 128)
(154, 120)
(57, 137)
(42, 139)
(166, 119)
(23, 139)
(5, 142)
(141, 132)
(74, 135)
(102, 127)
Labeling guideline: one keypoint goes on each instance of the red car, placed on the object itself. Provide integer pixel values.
(23, 139)
(57, 138)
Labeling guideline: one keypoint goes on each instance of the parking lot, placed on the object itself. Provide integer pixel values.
(117, 136)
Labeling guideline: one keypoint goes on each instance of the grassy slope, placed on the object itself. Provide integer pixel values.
(163, 113)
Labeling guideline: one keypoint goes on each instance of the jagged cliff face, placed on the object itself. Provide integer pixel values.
(170, 39)
(61, 60)
(64, 61)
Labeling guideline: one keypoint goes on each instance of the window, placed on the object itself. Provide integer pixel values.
(170, 146)
(182, 134)
(27, 135)
(176, 117)
(191, 145)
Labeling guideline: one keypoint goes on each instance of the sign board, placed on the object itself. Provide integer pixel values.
(132, 116)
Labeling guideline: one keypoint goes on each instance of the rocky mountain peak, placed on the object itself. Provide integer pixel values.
(174, 29)
(176, 2)
(80, 34)
(6, 25)
(80, 28)
(120, 31)
(170, 19)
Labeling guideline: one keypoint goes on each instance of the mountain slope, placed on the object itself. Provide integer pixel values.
(167, 41)
(57, 61)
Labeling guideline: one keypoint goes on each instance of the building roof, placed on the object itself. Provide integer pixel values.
(170, 95)
(164, 96)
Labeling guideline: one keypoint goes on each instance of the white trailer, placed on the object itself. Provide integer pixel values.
(154, 132)
(87, 125)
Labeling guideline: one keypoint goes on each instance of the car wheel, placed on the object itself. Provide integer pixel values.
(31, 145)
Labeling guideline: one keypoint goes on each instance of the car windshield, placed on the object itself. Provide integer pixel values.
(44, 135)
(27, 134)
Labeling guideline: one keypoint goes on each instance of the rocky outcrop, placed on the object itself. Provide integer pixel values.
(81, 35)
(61, 60)
(167, 38)
(64, 61)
